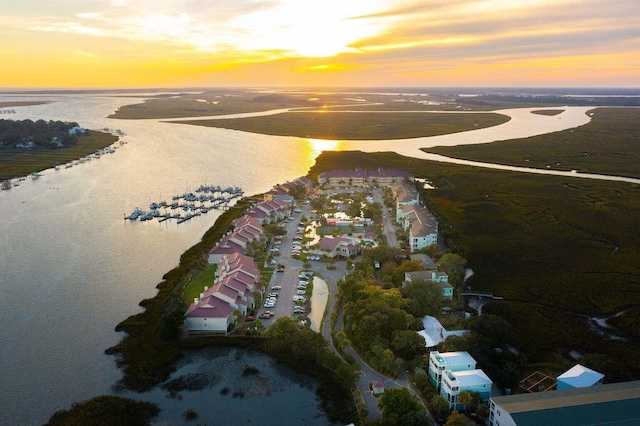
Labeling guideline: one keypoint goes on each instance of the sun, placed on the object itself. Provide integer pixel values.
(301, 29)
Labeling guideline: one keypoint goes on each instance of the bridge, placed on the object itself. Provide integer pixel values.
(482, 295)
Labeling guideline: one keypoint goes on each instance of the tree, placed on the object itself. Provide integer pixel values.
(483, 411)
(455, 266)
(465, 398)
(398, 404)
(458, 419)
(423, 297)
(298, 192)
(439, 406)
(407, 344)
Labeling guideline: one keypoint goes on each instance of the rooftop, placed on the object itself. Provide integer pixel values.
(612, 404)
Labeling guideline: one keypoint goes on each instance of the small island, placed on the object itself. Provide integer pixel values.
(28, 147)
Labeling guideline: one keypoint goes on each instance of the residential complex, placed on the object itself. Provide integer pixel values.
(361, 177)
(414, 218)
(237, 279)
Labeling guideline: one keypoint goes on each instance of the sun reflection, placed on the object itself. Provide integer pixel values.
(316, 146)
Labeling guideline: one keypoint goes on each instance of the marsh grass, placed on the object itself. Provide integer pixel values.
(358, 126)
(609, 144)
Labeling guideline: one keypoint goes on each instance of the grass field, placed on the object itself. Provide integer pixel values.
(358, 126)
(22, 162)
(196, 285)
(609, 144)
(559, 250)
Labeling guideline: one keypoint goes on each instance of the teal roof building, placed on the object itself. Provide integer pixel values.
(616, 404)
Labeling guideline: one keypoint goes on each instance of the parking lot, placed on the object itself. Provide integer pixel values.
(285, 294)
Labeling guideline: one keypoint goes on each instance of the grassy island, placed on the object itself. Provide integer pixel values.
(358, 126)
(22, 162)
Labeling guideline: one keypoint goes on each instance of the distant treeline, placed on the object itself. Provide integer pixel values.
(582, 100)
(42, 134)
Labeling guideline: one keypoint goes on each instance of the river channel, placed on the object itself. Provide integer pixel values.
(71, 268)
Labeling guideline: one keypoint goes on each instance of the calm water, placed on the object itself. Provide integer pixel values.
(71, 268)
(272, 395)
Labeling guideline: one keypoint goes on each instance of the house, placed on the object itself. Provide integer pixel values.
(225, 247)
(209, 315)
(420, 224)
(246, 230)
(610, 404)
(404, 194)
(283, 189)
(414, 218)
(270, 211)
(440, 278)
(336, 246)
(377, 387)
(236, 281)
(434, 333)
(579, 376)
(470, 380)
(427, 263)
(452, 361)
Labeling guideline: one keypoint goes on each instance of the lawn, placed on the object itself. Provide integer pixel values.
(197, 284)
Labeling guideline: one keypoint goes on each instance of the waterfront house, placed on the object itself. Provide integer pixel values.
(225, 247)
(246, 229)
(209, 315)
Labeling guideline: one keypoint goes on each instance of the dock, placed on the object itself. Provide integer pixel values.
(192, 204)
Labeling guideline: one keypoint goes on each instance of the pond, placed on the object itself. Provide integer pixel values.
(232, 386)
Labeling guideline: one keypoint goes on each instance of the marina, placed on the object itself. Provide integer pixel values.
(188, 205)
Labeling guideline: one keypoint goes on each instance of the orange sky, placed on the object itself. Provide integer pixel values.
(190, 43)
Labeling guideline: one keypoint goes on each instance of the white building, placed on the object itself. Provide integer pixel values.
(472, 380)
(579, 376)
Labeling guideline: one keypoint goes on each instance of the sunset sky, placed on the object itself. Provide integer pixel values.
(275, 43)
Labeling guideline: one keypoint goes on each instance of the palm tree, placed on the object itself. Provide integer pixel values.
(465, 398)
